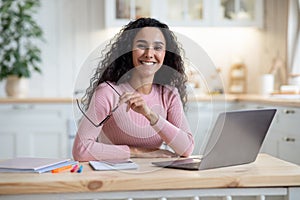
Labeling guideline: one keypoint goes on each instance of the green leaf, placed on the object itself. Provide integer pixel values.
(18, 30)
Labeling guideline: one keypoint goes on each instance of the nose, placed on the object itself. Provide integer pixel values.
(149, 52)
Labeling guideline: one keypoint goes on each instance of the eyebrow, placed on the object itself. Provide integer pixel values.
(156, 42)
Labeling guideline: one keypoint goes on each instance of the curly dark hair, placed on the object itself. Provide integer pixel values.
(117, 60)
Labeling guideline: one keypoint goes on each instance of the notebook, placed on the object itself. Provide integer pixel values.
(235, 139)
(113, 165)
(33, 164)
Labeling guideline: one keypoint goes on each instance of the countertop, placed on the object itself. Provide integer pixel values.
(277, 100)
(266, 171)
(36, 100)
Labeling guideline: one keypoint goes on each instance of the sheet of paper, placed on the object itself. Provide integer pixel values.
(98, 165)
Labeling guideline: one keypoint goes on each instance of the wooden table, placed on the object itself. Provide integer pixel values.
(266, 176)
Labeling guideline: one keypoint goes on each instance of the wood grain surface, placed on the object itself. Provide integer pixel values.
(266, 171)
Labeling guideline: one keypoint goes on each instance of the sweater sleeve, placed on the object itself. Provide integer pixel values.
(86, 147)
(174, 130)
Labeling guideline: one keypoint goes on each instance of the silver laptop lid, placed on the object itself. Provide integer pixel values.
(236, 138)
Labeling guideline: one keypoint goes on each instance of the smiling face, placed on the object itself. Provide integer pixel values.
(149, 49)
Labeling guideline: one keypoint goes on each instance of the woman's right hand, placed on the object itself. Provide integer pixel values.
(136, 103)
(138, 152)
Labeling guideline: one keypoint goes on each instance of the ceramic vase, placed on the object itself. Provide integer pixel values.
(16, 86)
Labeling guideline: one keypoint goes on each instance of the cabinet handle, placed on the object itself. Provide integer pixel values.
(288, 139)
(287, 111)
(23, 107)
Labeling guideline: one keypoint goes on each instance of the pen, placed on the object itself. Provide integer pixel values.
(80, 169)
(74, 168)
(60, 169)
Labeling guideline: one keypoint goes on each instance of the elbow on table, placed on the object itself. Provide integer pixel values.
(80, 152)
(81, 155)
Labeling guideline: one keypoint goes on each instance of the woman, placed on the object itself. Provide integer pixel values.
(139, 89)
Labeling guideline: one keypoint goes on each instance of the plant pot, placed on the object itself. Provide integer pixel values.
(16, 87)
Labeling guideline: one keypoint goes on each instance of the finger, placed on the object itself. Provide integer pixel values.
(133, 104)
(125, 97)
(136, 102)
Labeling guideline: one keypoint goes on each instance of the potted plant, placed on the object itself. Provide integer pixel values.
(19, 52)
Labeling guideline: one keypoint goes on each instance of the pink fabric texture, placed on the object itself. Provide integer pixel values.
(124, 129)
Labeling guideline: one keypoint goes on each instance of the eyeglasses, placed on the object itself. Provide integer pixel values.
(107, 117)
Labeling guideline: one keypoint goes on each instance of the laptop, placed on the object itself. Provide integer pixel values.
(235, 139)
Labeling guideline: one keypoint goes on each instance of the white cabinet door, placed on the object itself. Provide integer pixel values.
(289, 149)
(288, 135)
(238, 13)
(34, 130)
(283, 138)
(186, 12)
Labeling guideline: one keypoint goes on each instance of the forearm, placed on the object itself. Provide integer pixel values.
(86, 147)
(180, 141)
(139, 152)
(92, 150)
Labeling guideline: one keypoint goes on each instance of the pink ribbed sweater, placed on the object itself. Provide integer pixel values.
(124, 129)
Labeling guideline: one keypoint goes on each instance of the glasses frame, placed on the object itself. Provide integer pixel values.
(107, 117)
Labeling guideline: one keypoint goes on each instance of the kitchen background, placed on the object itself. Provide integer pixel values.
(264, 40)
(74, 28)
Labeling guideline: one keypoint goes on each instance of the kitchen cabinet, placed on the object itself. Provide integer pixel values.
(287, 135)
(119, 12)
(283, 138)
(35, 129)
(186, 12)
(238, 13)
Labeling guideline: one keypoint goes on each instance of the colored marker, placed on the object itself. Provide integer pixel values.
(61, 169)
(80, 169)
(74, 168)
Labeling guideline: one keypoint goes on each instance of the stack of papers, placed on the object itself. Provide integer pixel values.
(31, 164)
(113, 165)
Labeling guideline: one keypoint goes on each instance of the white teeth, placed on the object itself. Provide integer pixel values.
(147, 63)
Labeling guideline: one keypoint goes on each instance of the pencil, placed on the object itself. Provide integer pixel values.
(61, 169)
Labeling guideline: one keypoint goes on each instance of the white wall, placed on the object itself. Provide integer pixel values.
(69, 27)
(227, 45)
(74, 28)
